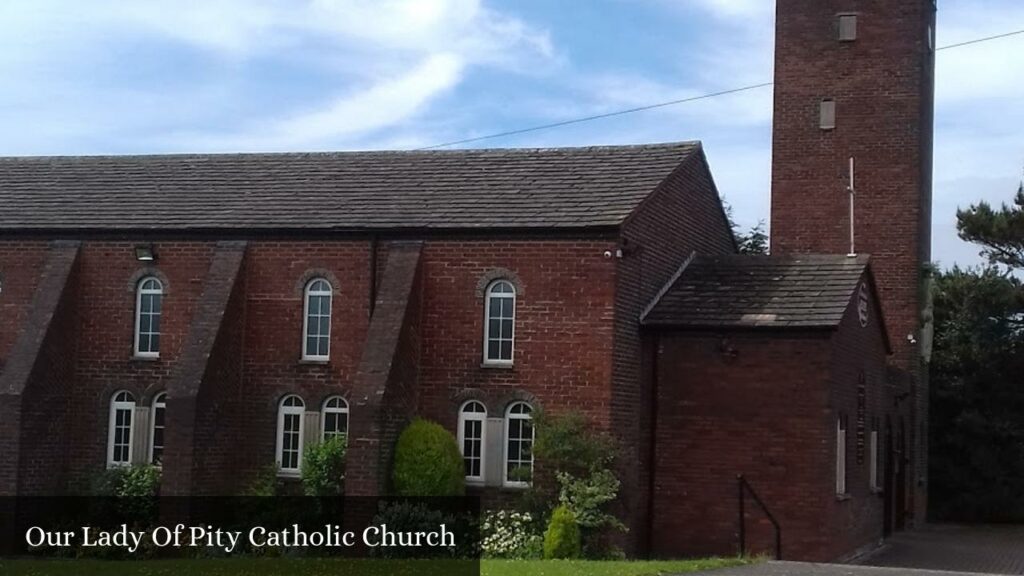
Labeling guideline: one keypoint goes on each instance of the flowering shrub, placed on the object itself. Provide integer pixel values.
(508, 534)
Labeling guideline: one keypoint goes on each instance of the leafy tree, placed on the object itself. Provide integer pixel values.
(567, 443)
(579, 460)
(753, 241)
(1000, 232)
(977, 400)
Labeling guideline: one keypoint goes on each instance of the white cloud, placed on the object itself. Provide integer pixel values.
(375, 62)
(384, 103)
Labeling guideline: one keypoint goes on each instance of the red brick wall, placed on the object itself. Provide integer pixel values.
(275, 275)
(858, 356)
(108, 274)
(684, 216)
(765, 405)
(563, 338)
(883, 84)
(566, 329)
(563, 356)
(761, 411)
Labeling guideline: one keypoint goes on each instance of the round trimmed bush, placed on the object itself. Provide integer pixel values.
(428, 462)
(562, 539)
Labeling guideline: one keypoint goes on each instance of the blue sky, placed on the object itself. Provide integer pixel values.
(156, 76)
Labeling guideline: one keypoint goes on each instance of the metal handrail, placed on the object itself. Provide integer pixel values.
(743, 487)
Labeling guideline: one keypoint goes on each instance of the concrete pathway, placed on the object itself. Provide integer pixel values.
(979, 549)
(941, 550)
(808, 569)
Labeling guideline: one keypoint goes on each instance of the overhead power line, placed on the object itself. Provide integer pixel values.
(666, 104)
(600, 116)
(980, 40)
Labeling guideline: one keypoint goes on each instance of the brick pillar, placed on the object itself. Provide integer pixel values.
(191, 401)
(35, 380)
(10, 443)
(384, 391)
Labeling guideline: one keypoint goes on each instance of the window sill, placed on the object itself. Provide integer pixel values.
(289, 475)
(498, 365)
(145, 358)
(843, 497)
(314, 361)
(516, 487)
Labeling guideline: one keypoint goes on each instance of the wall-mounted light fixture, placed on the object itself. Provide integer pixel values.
(727, 350)
(145, 253)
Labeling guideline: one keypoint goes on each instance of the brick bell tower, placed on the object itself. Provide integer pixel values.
(855, 79)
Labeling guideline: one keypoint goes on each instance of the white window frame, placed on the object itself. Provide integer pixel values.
(509, 416)
(308, 294)
(122, 400)
(141, 291)
(840, 456)
(328, 408)
(159, 403)
(474, 416)
(288, 407)
(490, 294)
(873, 466)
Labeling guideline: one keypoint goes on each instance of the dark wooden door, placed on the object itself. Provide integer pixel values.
(889, 480)
(901, 477)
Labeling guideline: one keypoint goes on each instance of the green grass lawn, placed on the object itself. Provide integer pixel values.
(329, 567)
(601, 568)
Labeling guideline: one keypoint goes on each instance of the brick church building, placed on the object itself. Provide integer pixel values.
(215, 314)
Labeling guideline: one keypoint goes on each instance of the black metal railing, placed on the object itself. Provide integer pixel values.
(743, 488)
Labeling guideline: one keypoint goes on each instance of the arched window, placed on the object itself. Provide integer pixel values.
(119, 438)
(289, 435)
(316, 345)
(148, 306)
(156, 439)
(472, 426)
(335, 417)
(519, 445)
(499, 322)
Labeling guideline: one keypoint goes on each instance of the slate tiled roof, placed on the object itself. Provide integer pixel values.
(528, 188)
(808, 291)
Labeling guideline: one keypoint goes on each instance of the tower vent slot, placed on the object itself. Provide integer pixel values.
(847, 27)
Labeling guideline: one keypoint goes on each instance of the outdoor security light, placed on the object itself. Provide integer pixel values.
(145, 253)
